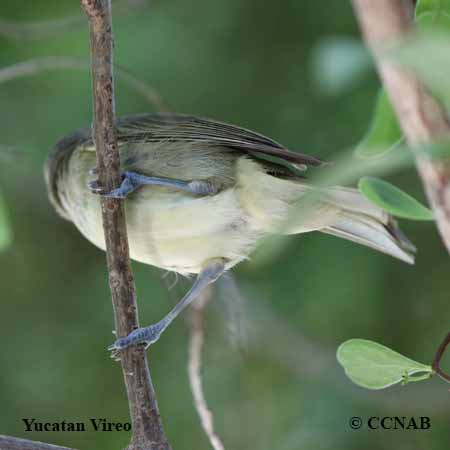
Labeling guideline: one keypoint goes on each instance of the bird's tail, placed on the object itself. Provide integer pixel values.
(272, 203)
(351, 216)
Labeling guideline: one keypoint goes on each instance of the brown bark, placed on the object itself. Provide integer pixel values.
(422, 119)
(148, 432)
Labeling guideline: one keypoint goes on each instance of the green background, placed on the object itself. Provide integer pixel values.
(295, 71)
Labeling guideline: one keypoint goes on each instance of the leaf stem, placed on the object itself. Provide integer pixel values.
(436, 365)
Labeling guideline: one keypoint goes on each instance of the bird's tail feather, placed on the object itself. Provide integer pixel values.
(358, 220)
(365, 230)
(272, 203)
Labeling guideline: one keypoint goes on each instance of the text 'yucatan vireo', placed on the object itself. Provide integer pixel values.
(200, 194)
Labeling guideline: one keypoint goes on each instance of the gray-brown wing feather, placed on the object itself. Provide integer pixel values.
(155, 127)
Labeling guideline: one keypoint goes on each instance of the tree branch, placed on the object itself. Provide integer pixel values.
(148, 431)
(13, 443)
(422, 119)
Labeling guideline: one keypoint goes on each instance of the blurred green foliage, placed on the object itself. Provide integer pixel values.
(384, 133)
(393, 200)
(255, 65)
(5, 229)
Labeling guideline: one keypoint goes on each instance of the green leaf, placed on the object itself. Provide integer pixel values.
(384, 132)
(392, 199)
(5, 229)
(435, 7)
(374, 366)
(433, 21)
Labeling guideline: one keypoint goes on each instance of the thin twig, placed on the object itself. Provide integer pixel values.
(148, 431)
(36, 65)
(196, 341)
(438, 357)
(149, 92)
(13, 443)
(423, 120)
(11, 29)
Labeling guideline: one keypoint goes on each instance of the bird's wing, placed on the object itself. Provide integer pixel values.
(155, 127)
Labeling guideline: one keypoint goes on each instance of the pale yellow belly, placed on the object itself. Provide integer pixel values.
(176, 232)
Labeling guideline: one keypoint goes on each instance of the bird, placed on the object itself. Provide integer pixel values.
(200, 195)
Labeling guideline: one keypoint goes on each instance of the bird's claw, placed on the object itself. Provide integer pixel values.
(95, 188)
(117, 347)
(147, 336)
(120, 343)
(115, 356)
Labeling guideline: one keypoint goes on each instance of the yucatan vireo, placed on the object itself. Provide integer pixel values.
(200, 195)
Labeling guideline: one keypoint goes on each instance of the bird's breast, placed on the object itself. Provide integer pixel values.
(181, 233)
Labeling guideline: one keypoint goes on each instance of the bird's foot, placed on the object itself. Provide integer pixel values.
(128, 185)
(147, 335)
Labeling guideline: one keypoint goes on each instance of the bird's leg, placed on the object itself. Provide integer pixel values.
(132, 180)
(148, 335)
